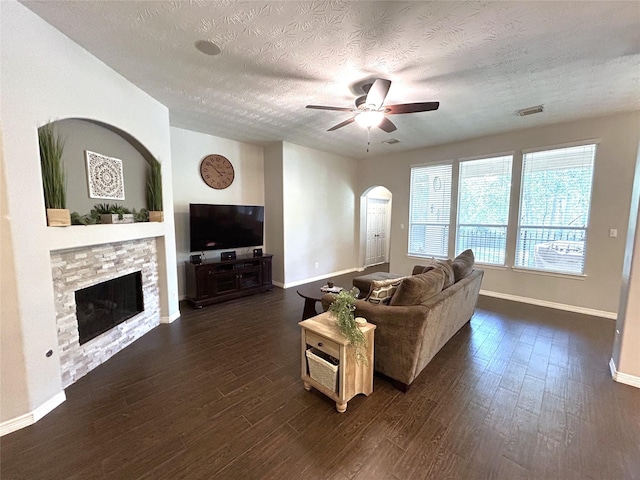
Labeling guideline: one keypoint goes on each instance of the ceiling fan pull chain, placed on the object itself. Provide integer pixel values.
(368, 138)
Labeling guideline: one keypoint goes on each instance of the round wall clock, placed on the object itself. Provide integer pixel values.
(217, 171)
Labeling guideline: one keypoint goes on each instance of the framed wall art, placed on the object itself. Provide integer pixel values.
(105, 176)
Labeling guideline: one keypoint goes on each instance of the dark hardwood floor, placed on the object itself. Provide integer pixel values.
(519, 392)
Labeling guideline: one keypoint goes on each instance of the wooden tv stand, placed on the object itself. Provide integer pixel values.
(215, 281)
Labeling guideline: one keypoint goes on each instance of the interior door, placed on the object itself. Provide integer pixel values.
(377, 225)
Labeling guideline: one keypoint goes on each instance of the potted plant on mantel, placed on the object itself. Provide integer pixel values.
(113, 213)
(343, 308)
(154, 191)
(53, 176)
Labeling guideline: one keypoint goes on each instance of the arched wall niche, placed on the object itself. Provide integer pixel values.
(82, 134)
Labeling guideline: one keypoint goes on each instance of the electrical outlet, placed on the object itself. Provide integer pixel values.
(613, 232)
(317, 264)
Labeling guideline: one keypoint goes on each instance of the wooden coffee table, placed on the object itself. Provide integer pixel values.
(311, 294)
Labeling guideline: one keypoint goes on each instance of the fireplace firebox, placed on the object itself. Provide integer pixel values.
(101, 307)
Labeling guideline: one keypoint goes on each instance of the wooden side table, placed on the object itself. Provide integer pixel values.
(322, 333)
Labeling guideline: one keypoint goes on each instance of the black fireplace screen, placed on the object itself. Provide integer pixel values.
(103, 306)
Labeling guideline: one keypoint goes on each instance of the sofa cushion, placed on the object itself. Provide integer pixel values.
(363, 282)
(417, 289)
(449, 275)
(418, 269)
(447, 268)
(382, 290)
(463, 264)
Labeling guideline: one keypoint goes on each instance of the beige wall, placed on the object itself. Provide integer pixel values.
(598, 291)
(626, 354)
(274, 209)
(319, 214)
(13, 377)
(628, 360)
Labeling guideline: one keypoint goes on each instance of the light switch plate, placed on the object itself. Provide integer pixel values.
(613, 232)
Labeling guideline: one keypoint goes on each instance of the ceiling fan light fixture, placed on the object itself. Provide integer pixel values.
(369, 119)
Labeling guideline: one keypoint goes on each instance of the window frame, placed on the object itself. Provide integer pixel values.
(515, 207)
(585, 229)
(411, 223)
(458, 248)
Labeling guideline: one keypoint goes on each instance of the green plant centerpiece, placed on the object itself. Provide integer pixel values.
(95, 216)
(113, 213)
(154, 191)
(343, 308)
(54, 181)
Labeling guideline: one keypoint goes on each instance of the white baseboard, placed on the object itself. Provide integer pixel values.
(32, 417)
(170, 318)
(623, 377)
(557, 306)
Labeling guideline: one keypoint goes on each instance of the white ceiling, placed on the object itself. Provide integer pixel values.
(481, 60)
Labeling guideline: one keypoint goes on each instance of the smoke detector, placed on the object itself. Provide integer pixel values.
(530, 110)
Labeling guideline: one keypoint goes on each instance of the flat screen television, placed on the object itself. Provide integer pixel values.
(222, 227)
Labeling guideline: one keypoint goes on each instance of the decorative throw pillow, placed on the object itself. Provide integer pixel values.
(446, 266)
(417, 270)
(382, 290)
(463, 264)
(417, 289)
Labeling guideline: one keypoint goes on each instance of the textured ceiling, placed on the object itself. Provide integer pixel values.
(481, 61)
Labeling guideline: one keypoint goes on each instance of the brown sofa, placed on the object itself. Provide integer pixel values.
(419, 316)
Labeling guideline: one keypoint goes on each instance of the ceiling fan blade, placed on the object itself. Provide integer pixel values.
(411, 107)
(387, 125)
(324, 107)
(378, 92)
(340, 125)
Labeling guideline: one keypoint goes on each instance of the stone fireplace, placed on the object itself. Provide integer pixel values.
(79, 268)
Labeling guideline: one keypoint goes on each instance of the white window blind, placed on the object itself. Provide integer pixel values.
(484, 189)
(429, 208)
(554, 209)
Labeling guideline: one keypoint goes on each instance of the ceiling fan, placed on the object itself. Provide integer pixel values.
(370, 111)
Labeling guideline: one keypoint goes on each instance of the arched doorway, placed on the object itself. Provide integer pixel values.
(375, 207)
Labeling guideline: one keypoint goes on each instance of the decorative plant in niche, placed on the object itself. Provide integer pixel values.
(113, 213)
(343, 308)
(54, 181)
(154, 191)
(95, 216)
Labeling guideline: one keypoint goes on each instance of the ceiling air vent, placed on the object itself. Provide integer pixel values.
(391, 142)
(530, 111)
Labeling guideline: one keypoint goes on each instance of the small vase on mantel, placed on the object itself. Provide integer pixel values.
(58, 217)
(156, 216)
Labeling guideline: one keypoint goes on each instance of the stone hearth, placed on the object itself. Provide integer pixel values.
(82, 267)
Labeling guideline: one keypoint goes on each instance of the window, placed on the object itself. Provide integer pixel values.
(483, 208)
(554, 209)
(429, 207)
